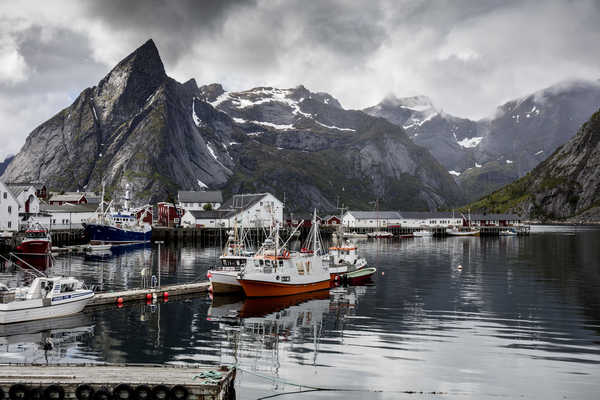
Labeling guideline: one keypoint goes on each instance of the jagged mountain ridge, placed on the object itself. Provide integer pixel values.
(5, 163)
(142, 128)
(134, 126)
(566, 184)
(489, 153)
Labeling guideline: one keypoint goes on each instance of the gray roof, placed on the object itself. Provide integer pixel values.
(216, 214)
(67, 197)
(429, 214)
(16, 188)
(214, 196)
(375, 214)
(495, 217)
(74, 208)
(242, 201)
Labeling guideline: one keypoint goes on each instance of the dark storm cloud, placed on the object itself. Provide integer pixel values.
(174, 23)
(468, 56)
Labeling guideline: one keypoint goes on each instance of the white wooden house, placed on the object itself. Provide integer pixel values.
(259, 210)
(9, 210)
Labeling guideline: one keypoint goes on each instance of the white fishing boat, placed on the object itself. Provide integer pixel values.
(422, 233)
(343, 256)
(380, 235)
(276, 271)
(224, 277)
(465, 230)
(354, 235)
(44, 298)
(462, 231)
(508, 232)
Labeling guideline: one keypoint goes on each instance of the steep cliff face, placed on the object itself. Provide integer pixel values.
(4, 164)
(136, 126)
(564, 185)
(330, 151)
(142, 128)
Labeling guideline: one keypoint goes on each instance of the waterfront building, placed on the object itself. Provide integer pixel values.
(9, 210)
(256, 210)
(199, 201)
(66, 216)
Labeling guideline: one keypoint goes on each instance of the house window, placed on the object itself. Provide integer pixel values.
(5, 195)
(9, 224)
(261, 203)
(9, 209)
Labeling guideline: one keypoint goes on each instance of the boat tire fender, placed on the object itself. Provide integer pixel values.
(84, 392)
(123, 392)
(18, 392)
(36, 393)
(179, 392)
(54, 392)
(142, 392)
(160, 392)
(102, 394)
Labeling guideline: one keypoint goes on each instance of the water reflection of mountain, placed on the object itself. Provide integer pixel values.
(51, 340)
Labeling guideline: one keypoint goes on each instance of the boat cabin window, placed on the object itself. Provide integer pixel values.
(260, 262)
(69, 287)
(281, 263)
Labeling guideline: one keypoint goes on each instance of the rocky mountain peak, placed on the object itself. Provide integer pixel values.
(211, 91)
(416, 103)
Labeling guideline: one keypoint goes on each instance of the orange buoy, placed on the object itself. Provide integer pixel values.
(120, 300)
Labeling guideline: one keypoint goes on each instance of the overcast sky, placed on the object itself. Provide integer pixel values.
(468, 56)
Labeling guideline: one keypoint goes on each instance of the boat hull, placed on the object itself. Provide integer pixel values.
(254, 288)
(36, 310)
(107, 234)
(34, 247)
(224, 282)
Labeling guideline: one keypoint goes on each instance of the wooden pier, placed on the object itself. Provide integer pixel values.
(118, 382)
(166, 291)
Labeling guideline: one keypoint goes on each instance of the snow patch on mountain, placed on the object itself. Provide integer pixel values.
(470, 142)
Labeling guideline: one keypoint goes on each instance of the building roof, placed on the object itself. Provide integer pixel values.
(495, 217)
(17, 188)
(214, 196)
(66, 208)
(429, 214)
(375, 214)
(67, 196)
(242, 201)
(216, 214)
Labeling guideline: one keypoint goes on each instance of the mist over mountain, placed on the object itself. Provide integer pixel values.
(566, 184)
(140, 127)
(487, 154)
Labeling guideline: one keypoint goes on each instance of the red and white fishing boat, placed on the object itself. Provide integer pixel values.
(276, 271)
(37, 242)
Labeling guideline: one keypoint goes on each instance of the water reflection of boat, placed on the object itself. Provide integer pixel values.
(261, 306)
(22, 332)
(225, 308)
(36, 341)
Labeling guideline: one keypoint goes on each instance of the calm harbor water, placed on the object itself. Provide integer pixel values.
(520, 319)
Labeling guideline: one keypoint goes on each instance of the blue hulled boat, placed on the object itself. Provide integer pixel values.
(109, 233)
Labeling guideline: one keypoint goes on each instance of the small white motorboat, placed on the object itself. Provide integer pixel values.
(354, 235)
(423, 233)
(99, 247)
(44, 298)
(508, 232)
(380, 235)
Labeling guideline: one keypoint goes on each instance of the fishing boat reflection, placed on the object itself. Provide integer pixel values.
(257, 330)
(43, 340)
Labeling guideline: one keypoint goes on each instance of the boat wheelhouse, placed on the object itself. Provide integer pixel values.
(46, 297)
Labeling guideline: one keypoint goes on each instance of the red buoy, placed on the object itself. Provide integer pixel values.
(166, 294)
(120, 300)
(149, 296)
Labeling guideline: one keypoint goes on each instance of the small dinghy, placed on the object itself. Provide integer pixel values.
(360, 275)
